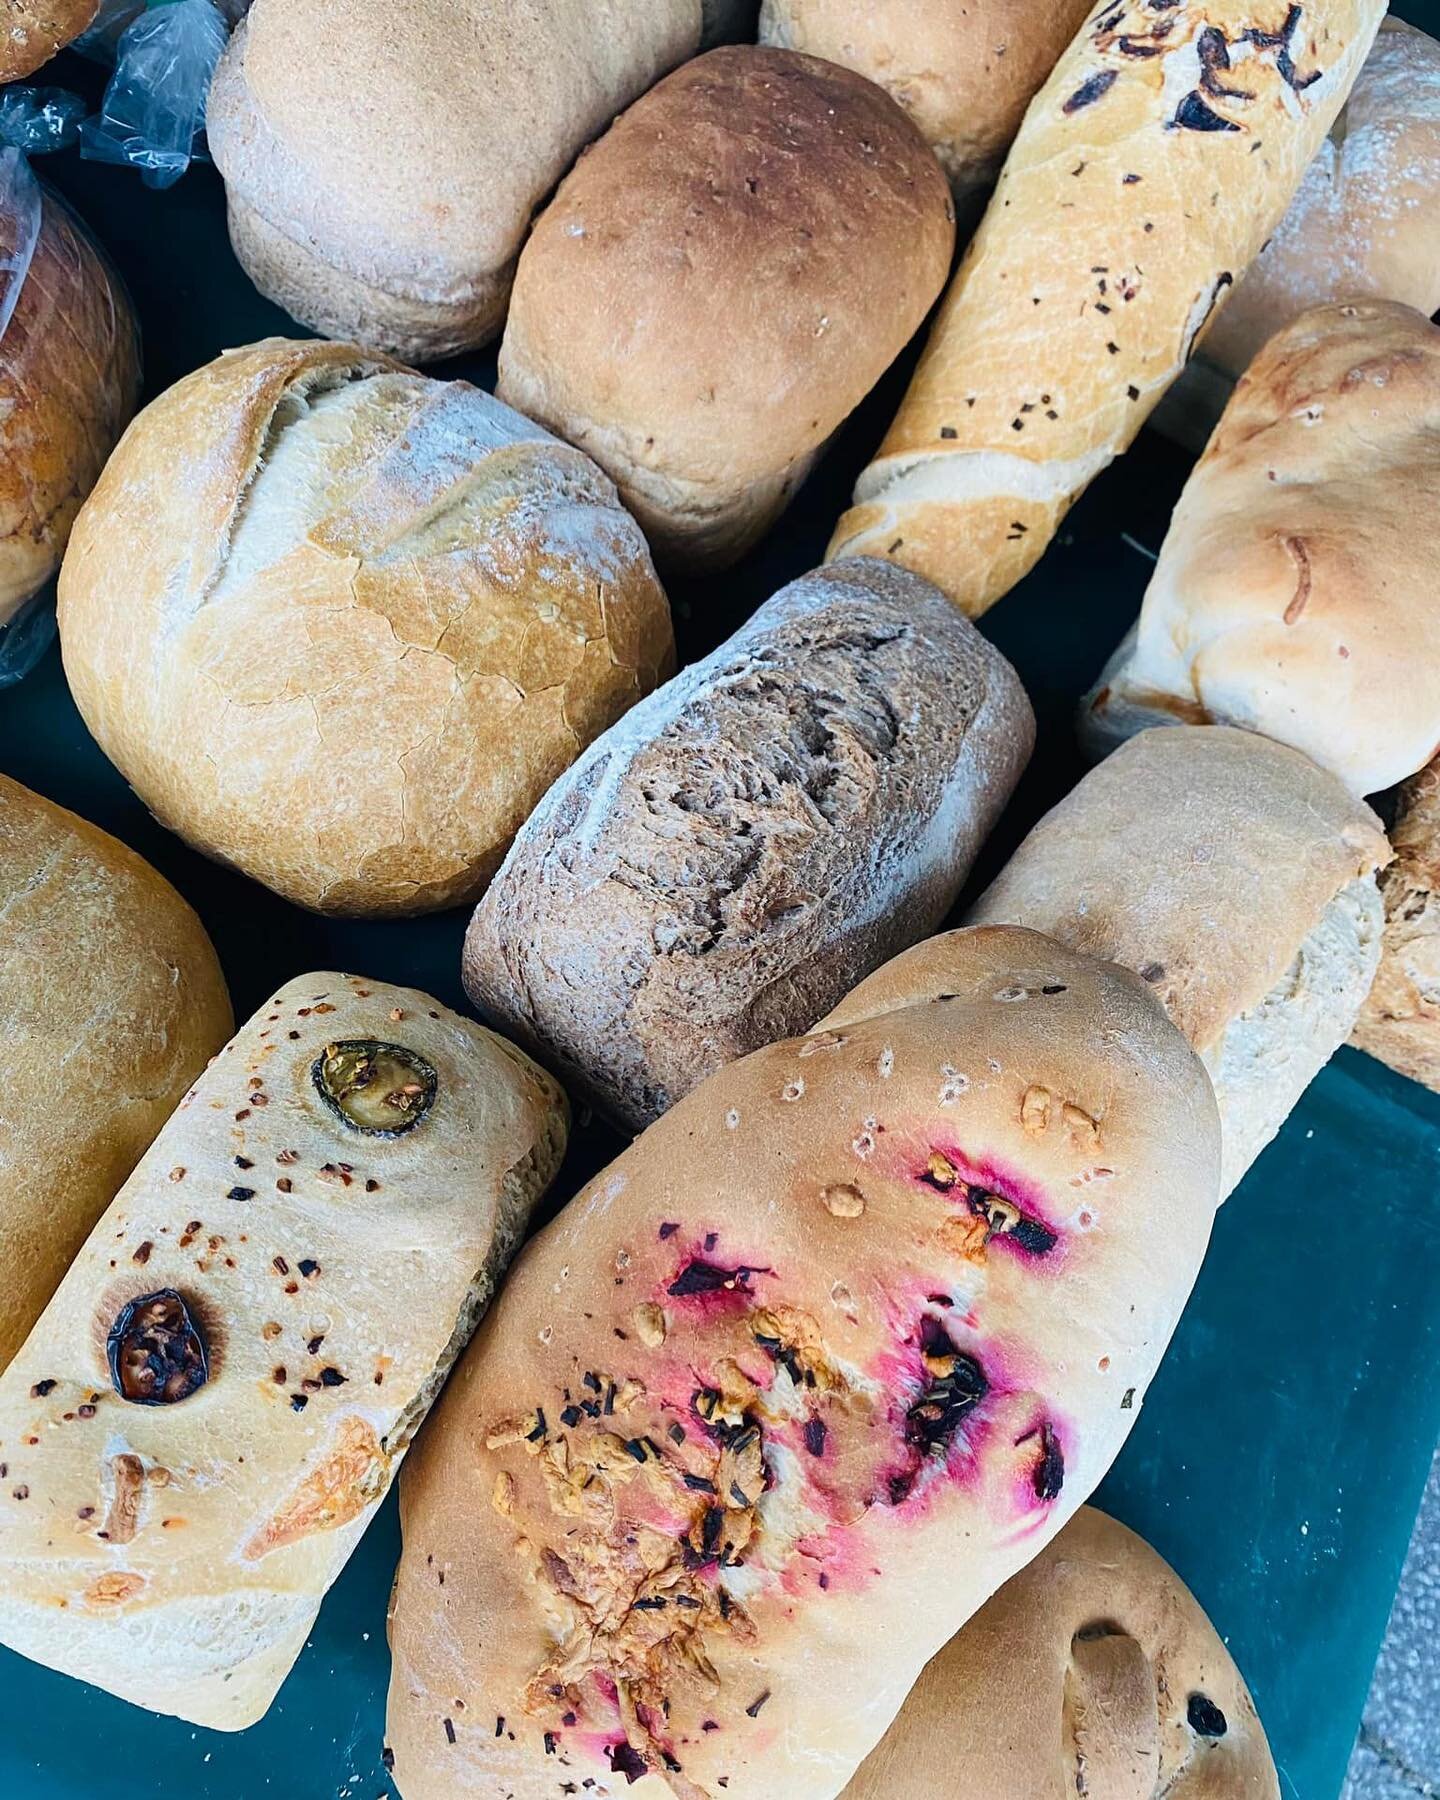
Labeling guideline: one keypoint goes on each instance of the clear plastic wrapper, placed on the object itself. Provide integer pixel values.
(39, 119)
(25, 639)
(154, 106)
(20, 206)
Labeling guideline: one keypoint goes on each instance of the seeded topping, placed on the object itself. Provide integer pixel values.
(157, 1351)
(956, 1387)
(378, 1089)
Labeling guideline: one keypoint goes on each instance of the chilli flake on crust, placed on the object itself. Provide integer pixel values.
(701, 1474)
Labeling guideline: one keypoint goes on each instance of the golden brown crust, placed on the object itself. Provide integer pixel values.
(33, 30)
(866, 1303)
(1401, 1021)
(111, 1001)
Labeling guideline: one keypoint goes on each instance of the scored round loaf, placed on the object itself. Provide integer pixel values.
(110, 1004)
(1238, 880)
(35, 29)
(320, 1244)
(381, 166)
(69, 378)
(1400, 1021)
(725, 863)
(963, 72)
(1094, 1671)
(341, 625)
(1294, 591)
(719, 283)
(868, 1304)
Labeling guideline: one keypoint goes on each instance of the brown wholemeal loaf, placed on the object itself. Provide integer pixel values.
(1400, 1021)
(207, 1414)
(111, 1001)
(725, 863)
(1238, 880)
(1294, 593)
(341, 625)
(33, 30)
(964, 71)
(1147, 174)
(866, 1305)
(69, 377)
(381, 165)
(1094, 1671)
(720, 281)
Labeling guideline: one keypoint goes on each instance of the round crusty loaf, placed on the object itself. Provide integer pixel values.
(318, 1244)
(1400, 1022)
(725, 863)
(1238, 880)
(342, 626)
(1092, 1672)
(964, 72)
(69, 377)
(720, 281)
(111, 1001)
(381, 165)
(1294, 593)
(34, 30)
(867, 1305)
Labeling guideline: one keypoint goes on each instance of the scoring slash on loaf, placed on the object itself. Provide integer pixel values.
(341, 625)
(719, 283)
(1238, 880)
(1149, 170)
(1294, 593)
(725, 863)
(1400, 1023)
(1092, 1672)
(792, 1387)
(199, 1428)
(382, 165)
(110, 1004)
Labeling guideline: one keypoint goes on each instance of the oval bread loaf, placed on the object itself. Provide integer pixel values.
(111, 1002)
(207, 1414)
(35, 29)
(341, 625)
(1093, 1671)
(1400, 1022)
(787, 1391)
(720, 867)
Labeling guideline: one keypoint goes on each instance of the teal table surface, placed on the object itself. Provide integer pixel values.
(1280, 1456)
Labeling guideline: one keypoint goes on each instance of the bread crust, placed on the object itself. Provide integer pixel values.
(1092, 1671)
(111, 1002)
(818, 1396)
(1148, 172)
(1400, 1023)
(754, 240)
(176, 1554)
(721, 866)
(35, 29)
(341, 625)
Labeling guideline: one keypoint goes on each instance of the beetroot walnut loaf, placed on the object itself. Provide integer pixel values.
(726, 861)
(788, 1390)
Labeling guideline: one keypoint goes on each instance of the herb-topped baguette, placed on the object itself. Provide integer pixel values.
(786, 1393)
(201, 1424)
(1149, 170)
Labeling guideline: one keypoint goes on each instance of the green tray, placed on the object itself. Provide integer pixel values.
(1279, 1460)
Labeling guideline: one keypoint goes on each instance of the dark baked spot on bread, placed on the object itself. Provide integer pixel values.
(1089, 91)
(157, 1350)
(1000, 1214)
(700, 1277)
(1204, 1717)
(955, 1387)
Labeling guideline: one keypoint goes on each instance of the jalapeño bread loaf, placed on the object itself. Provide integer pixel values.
(111, 1001)
(201, 1424)
(33, 30)
(721, 866)
(791, 1388)
(963, 72)
(1400, 1022)
(1238, 880)
(341, 626)
(381, 167)
(1092, 1672)
(720, 281)
(1149, 170)
(69, 375)
(1294, 594)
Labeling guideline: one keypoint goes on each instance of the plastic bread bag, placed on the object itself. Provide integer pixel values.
(39, 119)
(25, 635)
(154, 105)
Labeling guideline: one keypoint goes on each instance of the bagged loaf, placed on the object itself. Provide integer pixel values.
(207, 1414)
(867, 1305)
(721, 866)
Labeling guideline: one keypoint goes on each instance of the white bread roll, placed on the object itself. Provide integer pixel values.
(1294, 593)
(1092, 1672)
(199, 1428)
(342, 626)
(1149, 170)
(867, 1308)
(1238, 880)
(382, 164)
(964, 72)
(111, 1001)
(1400, 1023)
(720, 281)
(723, 865)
